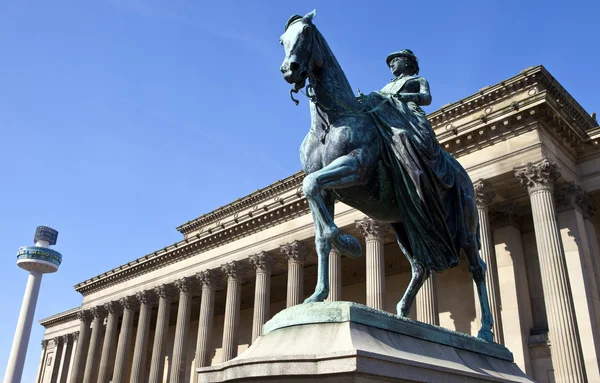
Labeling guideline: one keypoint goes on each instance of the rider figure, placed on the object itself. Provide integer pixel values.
(407, 86)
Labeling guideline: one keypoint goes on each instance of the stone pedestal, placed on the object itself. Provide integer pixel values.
(349, 342)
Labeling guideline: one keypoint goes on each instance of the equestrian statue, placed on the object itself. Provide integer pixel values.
(379, 154)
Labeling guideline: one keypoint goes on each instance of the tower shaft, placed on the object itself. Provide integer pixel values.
(14, 369)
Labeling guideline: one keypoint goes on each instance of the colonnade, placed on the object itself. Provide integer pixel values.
(87, 357)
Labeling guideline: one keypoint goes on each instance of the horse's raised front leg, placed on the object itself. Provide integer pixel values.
(342, 172)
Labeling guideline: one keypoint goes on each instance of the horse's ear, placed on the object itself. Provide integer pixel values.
(311, 15)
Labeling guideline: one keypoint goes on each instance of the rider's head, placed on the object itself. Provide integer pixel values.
(403, 62)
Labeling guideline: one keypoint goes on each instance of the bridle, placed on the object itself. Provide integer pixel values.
(309, 91)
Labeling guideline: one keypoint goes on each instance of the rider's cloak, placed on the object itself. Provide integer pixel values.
(431, 187)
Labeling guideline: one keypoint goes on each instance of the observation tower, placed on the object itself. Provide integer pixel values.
(38, 260)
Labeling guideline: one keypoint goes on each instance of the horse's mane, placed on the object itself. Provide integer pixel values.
(332, 60)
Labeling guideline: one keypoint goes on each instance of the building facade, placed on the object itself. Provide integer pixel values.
(532, 153)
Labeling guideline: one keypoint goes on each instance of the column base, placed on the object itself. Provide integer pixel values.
(349, 342)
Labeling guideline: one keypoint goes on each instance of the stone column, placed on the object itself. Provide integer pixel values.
(124, 343)
(335, 276)
(76, 375)
(205, 321)
(483, 197)
(110, 337)
(63, 369)
(42, 359)
(571, 202)
(75, 337)
(517, 317)
(567, 359)
(157, 364)
(184, 285)
(232, 310)
(138, 366)
(90, 365)
(427, 305)
(59, 347)
(296, 257)
(589, 211)
(373, 234)
(262, 292)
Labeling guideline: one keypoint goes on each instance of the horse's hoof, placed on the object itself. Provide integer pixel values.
(318, 296)
(402, 311)
(348, 245)
(486, 335)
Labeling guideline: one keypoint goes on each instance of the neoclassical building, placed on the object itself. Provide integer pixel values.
(532, 152)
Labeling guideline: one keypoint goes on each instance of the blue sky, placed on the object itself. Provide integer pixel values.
(121, 120)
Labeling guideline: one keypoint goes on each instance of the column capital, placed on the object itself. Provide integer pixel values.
(85, 316)
(44, 343)
(589, 208)
(484, 194)
(112, 307)
(65, 338)
(506, 215)
(143, 297)
(294, 252)
(207, 278)
(262, 262)
(164, 291)
(369, 228)
(54, 342)
(75, 336)
(184, 285)
(538, 176)
(128, 303)
(232, 270)
(97, 312)
(572, 196)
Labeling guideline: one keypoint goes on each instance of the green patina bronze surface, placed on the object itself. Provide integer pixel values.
(379, 154)
(339, 312)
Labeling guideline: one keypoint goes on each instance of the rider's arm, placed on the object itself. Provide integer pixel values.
(423, 97)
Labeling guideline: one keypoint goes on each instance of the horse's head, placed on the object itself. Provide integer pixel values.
(298, 41)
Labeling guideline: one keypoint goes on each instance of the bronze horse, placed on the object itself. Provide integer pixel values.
(349, 155)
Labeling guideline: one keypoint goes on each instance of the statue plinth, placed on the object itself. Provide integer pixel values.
(349, 342)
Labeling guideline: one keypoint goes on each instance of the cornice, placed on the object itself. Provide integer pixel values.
(65, 316)
(528, 77)
(253, 199)
(272, 214)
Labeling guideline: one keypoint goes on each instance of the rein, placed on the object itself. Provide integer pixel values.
(309, 92)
